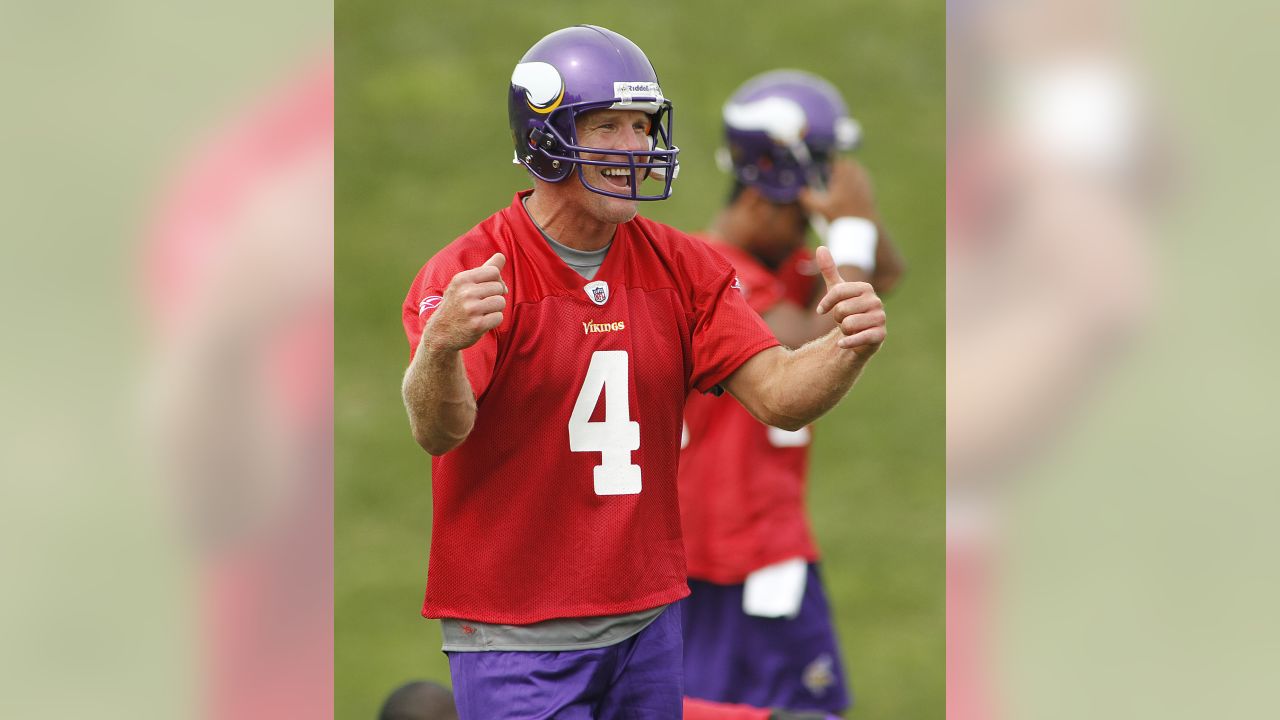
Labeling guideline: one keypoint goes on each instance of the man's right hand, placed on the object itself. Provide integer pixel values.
(472, 306)
(848, 194)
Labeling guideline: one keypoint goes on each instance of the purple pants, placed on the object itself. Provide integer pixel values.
(636, 679)
(732, 657)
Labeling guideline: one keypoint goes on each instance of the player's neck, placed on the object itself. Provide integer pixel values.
(741, 229)
(567, 226)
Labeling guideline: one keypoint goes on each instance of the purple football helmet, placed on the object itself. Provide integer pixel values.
(783, 130)
(573, 71)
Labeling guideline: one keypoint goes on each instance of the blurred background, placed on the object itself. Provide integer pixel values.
(1110, 393)
(166, 286)
(424, 153)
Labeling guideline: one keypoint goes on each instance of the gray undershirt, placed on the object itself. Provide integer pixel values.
(557, 634)
(547, 636)
(584, 262)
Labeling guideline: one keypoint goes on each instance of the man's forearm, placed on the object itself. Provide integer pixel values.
(791, 388)
(812, 379)
(438, 397)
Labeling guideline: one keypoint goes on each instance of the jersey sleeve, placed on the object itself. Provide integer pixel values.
(727, 331)
(424, 298)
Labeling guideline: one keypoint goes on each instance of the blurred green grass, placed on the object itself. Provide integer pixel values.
(423, 153)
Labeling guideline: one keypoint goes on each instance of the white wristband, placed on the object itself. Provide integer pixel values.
(852, 241)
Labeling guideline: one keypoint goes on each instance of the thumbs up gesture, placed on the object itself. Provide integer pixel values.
(856, 308)
(472, 306)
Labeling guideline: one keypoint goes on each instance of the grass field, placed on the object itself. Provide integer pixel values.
(423, 153)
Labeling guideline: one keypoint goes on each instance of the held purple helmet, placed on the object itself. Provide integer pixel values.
(783, 130)
(573, 71)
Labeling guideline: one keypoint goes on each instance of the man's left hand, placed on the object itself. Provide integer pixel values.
(857, 309)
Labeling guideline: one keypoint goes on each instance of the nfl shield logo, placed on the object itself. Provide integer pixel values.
(598, 291)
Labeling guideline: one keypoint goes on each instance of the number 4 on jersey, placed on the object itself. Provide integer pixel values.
(617, 436)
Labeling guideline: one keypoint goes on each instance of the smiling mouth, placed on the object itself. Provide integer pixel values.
(617, 177)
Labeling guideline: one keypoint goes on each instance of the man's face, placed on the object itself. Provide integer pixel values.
(611, 130)
(789, 227)
(778, 229)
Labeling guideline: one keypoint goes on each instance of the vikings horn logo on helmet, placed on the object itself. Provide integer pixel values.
(782, 119)
(543, 86)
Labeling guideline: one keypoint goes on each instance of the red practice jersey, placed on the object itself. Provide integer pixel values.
(742, 483)
(562, 501)
(799, 275)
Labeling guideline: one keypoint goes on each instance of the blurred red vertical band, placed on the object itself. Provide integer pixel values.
(240, 283)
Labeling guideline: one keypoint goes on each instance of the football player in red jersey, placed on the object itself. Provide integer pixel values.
(552, 348)
(757, 626)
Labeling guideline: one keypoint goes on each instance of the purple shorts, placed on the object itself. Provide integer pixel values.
(730, 656)
(636, 679)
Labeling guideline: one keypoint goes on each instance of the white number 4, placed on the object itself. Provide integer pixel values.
(617, 436)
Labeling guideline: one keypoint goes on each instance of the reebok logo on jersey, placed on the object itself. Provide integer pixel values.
(597, 291)
(591, 326)
(428, 303)
(737, 285)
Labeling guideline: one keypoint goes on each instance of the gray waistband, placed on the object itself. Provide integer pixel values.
(547, 636)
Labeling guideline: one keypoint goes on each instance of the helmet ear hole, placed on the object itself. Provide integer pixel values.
(539, 138)
(542, 154)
